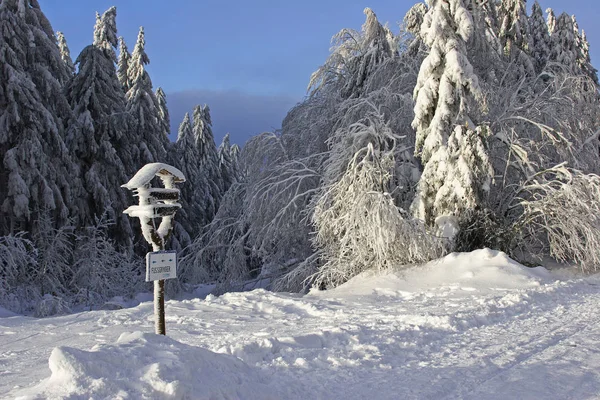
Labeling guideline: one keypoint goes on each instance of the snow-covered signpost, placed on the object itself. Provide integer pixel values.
(157, 203)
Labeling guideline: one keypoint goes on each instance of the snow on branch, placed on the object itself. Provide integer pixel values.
(562, 212)
(359, 227)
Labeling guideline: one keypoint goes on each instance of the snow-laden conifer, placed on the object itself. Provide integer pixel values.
(235, 159)
(486, 49)
(208, 157)
(540, 38)
(98, 136)
(105, 32)
(412, 23)
(582, 52)
(123, 64)
(226, 163)
(584, 61)
(564, 46)
(514, 25)
(65, 53)
(445, 87)
(36, 169)
(163, 112)
(515, 34)
(551, 21)
(143, 107)
(194, 194)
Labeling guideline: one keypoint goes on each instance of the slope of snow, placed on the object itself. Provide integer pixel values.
(151, 366)
(6, 313)
(469, 326)
(481, 271)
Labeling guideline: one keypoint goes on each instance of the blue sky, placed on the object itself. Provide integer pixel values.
(250, 60)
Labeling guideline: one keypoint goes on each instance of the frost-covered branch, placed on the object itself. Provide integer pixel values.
(562, 213)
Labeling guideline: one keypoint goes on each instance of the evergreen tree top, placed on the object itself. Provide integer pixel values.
(551, 21)
(138, 60)
(163, 111)
(105, 32)
(185, 129)
(123, 64)
(65, 53)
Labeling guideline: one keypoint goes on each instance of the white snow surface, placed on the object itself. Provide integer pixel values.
(469, 326)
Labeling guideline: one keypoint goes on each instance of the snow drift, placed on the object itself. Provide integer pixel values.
(143, 365)
(481, 270)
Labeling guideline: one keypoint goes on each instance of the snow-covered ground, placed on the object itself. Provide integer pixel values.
(470, 326)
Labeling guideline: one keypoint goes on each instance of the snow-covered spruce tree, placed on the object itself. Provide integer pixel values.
(235, 161)
(163, 111)
(449, 144)
(143, 107)
(123, 64)
(192, 216)
(36, 172)
(584, 60)
(354, 56)
(515, 35)
(582, 45)
(98, 136)
(358, 225)
(105, 32)
(204, 142)
(582, 53)
(564, 47)
(485, 48)
(65, 53)
(226, 163)
(540, 38)
(551, 21)
(412, 25)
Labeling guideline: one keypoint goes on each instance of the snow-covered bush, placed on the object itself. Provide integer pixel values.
(50, 305)
(18, 263)
(561, 215)
(359, 227)
(100, 270)
(54, 257)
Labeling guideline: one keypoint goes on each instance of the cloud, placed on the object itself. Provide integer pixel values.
(241, 114)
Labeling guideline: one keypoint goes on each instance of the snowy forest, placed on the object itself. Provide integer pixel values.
(473, 124)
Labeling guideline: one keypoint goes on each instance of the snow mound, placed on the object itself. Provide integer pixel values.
(480, 271)
(143, 365)
(4, 313)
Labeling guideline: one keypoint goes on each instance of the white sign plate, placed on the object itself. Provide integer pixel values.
(161, 265)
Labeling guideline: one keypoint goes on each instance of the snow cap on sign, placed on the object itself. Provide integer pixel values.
(149, 171)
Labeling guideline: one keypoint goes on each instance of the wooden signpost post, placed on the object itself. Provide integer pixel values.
(157, 203)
